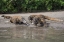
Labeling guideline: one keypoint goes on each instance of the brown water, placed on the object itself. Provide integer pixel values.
(24, 34)
(21, 33)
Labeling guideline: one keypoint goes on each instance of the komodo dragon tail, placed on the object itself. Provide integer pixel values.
(53, 19)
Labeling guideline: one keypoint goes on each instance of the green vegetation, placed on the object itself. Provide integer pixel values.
(12, 6)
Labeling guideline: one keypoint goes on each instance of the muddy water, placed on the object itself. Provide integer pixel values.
(22, 33)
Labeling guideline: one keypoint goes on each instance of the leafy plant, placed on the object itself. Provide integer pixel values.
(12, 6)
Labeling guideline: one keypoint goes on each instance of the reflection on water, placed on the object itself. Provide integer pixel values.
(31, 34)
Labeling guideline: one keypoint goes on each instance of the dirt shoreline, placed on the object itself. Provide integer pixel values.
(52, 14)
